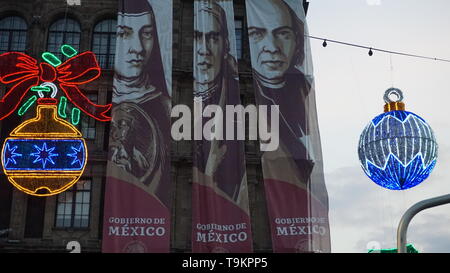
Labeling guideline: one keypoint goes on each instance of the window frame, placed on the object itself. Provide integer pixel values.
(22, 31)
(110, 52)
(74, 190)
(239, 53)
(64, 35)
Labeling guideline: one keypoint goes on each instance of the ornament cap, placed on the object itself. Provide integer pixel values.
(393, 105)
(45, 124)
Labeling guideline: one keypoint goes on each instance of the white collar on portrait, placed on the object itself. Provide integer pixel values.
(205, 91)
(273, 84)
(132, 14)
(123, 93)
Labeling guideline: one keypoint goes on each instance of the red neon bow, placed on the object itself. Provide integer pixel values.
(23, 71)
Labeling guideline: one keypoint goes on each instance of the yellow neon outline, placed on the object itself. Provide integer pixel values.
(75, 133)
(42, 174)
(28, 191)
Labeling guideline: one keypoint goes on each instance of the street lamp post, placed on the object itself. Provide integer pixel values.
(411, 212)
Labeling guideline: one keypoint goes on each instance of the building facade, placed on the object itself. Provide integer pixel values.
(37, 224)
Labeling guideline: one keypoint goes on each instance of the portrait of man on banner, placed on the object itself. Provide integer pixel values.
(293, 173)
(139, 146)
(278, 53)
(221, 162)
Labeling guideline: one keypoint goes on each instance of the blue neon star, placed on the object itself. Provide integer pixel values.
(77, 155)
(10, 153)
(44, 154)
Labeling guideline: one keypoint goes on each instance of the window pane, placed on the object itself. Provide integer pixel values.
(86, 197)
(76, 222)
(64, 209)
(60, 208)
(103, 42)
(72, 213)
(59, 221)
(65, 24)
(13, 22)
(238, 30)
(83, 184)
(84, 222)
(81, 222)
(65, 197)
(67, 222)
(4, 41)
(77, 209)
(67, 209)
(85, 209)
(13, 34)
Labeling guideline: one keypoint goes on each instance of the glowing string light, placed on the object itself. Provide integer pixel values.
(75, 116)
(10, 154)
(51, 59)
(24, 108)
(77, 155)
(44, 154)
(68, 51)
(62, 107)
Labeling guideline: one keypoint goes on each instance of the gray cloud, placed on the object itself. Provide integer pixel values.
(361, 212)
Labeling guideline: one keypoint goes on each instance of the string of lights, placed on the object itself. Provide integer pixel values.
(372, 49)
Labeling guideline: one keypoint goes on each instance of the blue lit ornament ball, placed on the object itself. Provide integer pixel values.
(397, 149)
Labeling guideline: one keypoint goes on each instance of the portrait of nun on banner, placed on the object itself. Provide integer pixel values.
(138, 171)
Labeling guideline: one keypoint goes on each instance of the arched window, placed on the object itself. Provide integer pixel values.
(104, 42)
(13, 34)
(63, 31)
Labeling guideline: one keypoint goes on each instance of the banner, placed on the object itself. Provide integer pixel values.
(137, 202)
(296, 195)
(220, 213)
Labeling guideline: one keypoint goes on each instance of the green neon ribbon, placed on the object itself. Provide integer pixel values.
(75, 116)
(62, 107)
(41, 89)
(68, 51)
(24, 108)
(51, 59)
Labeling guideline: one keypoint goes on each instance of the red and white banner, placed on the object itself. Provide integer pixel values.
(137, 201)
(220, 213)
(296, 195)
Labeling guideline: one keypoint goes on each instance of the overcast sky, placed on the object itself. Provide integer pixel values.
(350, 86)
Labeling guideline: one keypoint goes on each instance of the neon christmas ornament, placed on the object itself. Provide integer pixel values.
(397, 149)
(46, 155)
(44, 162)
